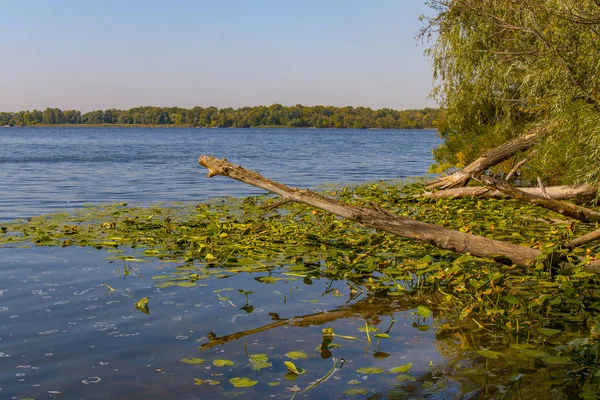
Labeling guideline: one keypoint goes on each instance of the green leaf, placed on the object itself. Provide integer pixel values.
(369, 370)
(193, 361)
(401, 369)
(493, 355)
(211, 382)
(548, 331)
(352, 392)
(142, 305)
(293, 369)
(295, 355)
(423, 311)
(382, 336)
(242, 382)
(221, 362)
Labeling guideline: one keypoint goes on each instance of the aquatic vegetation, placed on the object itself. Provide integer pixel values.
(482, 312)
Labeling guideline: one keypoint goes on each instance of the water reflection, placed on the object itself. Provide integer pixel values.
(63, 332)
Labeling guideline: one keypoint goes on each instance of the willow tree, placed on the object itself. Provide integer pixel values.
(506, 69)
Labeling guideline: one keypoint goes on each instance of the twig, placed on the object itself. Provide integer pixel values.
(519, 165)
(542, 188)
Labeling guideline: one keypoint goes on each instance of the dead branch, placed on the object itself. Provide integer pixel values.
(581, 240)
(487, 160)
(567, 209)
(579, 192)
(514, 170)
(542, 188)
(438, 236)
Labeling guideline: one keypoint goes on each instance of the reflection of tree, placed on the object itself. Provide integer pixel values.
(369, 308)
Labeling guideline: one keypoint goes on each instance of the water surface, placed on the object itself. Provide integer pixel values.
(50, 169)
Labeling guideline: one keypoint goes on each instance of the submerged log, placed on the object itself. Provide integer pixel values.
(578, 192)
(487, 160)
(381, 219)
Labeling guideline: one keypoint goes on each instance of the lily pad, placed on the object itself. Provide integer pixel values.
(242, 382)
(193, 361)
(400, 369)
(295, 355)
(221, 362)
(369, 370)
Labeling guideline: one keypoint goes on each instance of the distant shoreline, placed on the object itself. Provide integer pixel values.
(188, 126)
(273, 116)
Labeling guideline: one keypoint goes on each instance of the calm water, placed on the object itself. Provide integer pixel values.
(50, 169)
(65, 335)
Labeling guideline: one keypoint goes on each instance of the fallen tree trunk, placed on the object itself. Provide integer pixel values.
(381, 219)
(487, 160)
(579, 192)
(567, 209)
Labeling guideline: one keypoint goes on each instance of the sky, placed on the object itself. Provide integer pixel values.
(93, 54)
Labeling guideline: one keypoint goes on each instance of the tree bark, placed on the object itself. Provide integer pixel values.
(487, 160)
(579, 192)
(381, 219)
(567, 209)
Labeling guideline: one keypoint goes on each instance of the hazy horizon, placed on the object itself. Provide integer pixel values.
(103, 55)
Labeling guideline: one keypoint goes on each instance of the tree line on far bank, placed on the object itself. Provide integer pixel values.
(245, 117)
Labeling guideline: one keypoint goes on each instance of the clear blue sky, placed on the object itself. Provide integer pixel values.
(87, 55)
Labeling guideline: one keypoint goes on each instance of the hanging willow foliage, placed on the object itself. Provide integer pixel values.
(503, 67)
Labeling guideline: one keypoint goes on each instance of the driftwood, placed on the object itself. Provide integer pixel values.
(583, 191)
(487, 160)
(384, 220)
(567, 209)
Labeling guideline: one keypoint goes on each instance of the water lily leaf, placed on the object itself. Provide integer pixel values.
(258, 357)
(535, 353)
(295, 355)
(548, 331)
(381, 354)
(242, 382)
(211, 382)
(405, 377)
(368, 328)
(193, 361)
(186, 284)
(221, 362)
(423, 311)
(557, 360)
(293, 369)
(352, 392)
(522, 346)
(493, 355)
(142, 305)
(400, 369)
(369, 370)
(273, 384)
